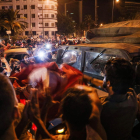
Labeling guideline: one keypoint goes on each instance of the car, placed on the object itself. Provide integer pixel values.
(16, 53)
(90, 58)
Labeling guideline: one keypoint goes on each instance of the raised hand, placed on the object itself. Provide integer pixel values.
(33, 111)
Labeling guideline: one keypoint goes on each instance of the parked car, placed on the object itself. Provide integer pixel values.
(16, 53)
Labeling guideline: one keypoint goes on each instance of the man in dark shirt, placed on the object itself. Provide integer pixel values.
(120, 107)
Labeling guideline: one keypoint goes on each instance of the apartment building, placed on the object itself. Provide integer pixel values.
(41, 16)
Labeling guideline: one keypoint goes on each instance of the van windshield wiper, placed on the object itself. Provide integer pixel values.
(66, 49)
(100, 54)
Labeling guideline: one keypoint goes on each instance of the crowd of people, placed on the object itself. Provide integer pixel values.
(43, 86)
(35, 42)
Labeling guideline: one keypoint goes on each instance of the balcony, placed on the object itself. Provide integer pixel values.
(48, 18)
(50, 0)
(40, 8)
(5, 0)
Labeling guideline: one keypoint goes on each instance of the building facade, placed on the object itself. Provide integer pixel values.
(41, 16)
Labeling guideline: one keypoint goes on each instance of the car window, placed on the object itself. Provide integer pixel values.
(97, 67)
(15, 56)
(71, 57)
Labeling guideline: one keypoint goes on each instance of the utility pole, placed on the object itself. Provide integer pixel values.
(96, 14)
(80, 11)
(65, 9)
(113, 12)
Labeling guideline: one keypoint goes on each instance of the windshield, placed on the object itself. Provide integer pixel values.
(97, 66)
(71, 57)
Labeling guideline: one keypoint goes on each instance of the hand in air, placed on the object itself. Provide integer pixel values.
(33, 111)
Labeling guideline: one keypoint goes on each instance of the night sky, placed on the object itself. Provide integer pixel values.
(104, 9)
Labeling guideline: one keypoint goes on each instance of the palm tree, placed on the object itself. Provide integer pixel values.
(9, 21)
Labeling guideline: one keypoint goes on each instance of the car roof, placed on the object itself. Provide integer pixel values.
(17, 51)
(130, 48)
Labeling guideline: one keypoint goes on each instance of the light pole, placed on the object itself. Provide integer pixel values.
(96, 14)
(113, 9)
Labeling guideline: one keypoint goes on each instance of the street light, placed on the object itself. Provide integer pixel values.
(101, 24)
(113, 8)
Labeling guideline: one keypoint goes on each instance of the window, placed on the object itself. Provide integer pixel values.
(53, 32)
(25, 15)
(40, 22)
(40, 8)
(10, 7)
(26, 25)
(32, 6)
(34, 32)
(52, 15)
(71, 57)
(97, 67)
(24, 0)
(33, 24)
(18, 16)
(33, 15)
(25, 6)
(18, 7)
(52, 6)
(3, 7)
(46, 15)
(26, 32)
(46, 33)
(40, 15)
(46, 24)
(6, 7)
(52, 24)
(17, 0)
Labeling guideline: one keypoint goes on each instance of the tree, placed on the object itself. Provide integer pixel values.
(65, 24)
(89, 22)
(9, 21)
(130, 16)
